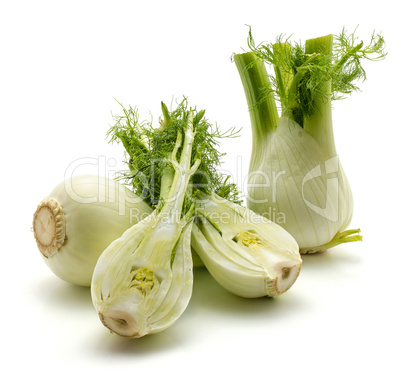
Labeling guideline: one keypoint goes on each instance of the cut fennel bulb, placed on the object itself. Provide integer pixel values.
(295, 177)
(246, 253)
(79, 219)
(143, 281)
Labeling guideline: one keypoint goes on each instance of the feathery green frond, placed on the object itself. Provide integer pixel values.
(298, 73)
(148, 148)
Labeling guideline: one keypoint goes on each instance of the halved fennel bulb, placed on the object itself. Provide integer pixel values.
(79, 219)
(143, 281)
(246, 253)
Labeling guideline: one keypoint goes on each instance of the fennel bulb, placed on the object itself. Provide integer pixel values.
(143, 281)
(79, 219)
(295, 177)
(246, 253)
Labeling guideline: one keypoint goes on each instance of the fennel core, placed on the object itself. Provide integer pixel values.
(246, 253)
(285, 274)
(49, 227)
(300, 141)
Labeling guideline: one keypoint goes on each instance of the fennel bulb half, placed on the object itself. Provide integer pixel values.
(79, 219)
(143, 281)
(246, 253)
(295, 177)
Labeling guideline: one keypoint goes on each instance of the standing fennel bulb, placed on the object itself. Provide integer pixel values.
(295, 177)
(79, 219)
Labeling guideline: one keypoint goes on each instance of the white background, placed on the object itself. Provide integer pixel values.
(63, 64)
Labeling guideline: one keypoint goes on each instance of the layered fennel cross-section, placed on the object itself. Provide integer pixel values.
(246, 253)
(143, 282)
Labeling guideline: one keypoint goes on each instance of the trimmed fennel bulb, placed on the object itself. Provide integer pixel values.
(79, 219)
(143, 281)
(246, 253)
(295, 176)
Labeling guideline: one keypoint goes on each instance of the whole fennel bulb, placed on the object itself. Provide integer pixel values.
(295, 176)
(79, 219)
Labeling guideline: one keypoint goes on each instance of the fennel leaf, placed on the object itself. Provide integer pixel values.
(298, 74)
(147, 149)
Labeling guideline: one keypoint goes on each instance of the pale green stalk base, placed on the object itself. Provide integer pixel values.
(257, 88)
(352, 235)
(319, 125)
